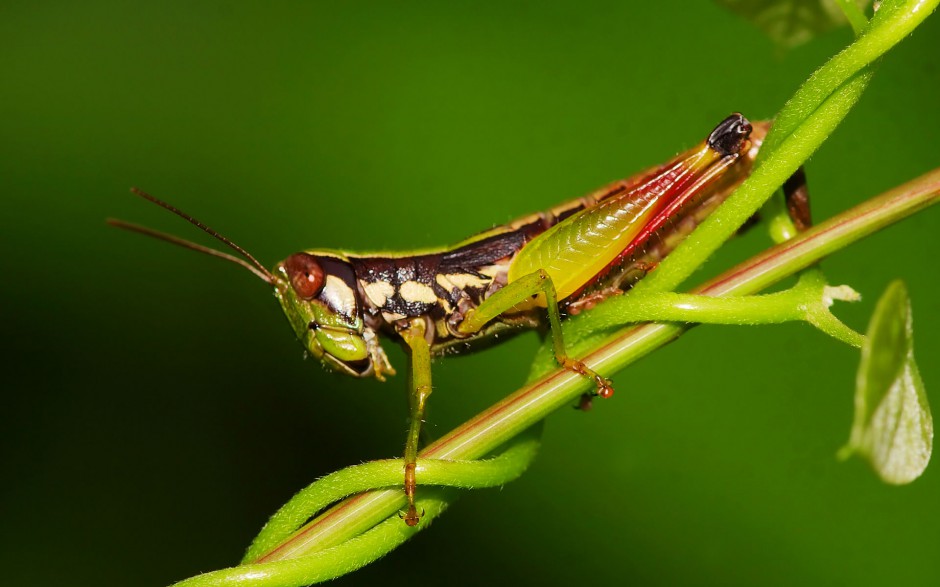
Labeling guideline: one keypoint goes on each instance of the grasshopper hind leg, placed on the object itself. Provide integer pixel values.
(519, 291)
(796, 197)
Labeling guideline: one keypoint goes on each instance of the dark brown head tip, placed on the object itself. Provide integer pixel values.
(730, 135)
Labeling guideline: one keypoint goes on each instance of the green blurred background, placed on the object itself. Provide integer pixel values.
(156, 408)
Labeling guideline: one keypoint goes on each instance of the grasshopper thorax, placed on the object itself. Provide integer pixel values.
(320, 299)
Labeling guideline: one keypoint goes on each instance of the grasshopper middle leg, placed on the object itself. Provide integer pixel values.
(414, 336)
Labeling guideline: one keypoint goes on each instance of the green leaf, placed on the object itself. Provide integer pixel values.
(893, 428)
(791, 22)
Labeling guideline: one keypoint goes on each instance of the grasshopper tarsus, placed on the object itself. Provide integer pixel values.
(604, 387)
(411, 515)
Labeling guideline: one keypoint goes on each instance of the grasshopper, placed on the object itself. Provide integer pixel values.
(538, 267)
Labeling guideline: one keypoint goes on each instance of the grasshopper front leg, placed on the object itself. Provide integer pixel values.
(413, 333)
(518, 292)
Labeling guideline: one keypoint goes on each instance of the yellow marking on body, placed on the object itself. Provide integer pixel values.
(525, 221)
(444, 282)
(339, 295)
(378, 292)
(461, 281)
(493, 271)
(440, 327)
(393, 316)
(584, 202)
(445, 305)
(416, 292)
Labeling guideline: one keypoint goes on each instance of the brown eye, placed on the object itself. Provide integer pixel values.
(305, 274)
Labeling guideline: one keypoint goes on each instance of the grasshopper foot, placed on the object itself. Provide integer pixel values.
(411, 517)
(605, 388)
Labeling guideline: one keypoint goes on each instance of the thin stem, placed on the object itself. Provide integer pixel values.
(775, 308)
(808, 301)
(893, 21)
(509, 464)
(331, 563)
(780, 226)
(854, 15)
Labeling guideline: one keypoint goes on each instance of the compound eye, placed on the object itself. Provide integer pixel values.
(305, 274)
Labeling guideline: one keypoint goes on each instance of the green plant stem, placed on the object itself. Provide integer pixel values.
(780, 226)
(309, 555)
(775, 308)
(854, 15)
(330, 563)
(510, 462)
(893, 21)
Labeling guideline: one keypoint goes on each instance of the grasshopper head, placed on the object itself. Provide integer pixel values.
(319, 296)
(317, 292)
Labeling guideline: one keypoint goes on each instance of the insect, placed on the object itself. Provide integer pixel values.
(521, 275)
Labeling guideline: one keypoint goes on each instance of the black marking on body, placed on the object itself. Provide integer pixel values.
(407, 283)
(396, 272)
(483, 252)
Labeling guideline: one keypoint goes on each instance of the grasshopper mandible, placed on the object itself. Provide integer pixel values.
(514, 276)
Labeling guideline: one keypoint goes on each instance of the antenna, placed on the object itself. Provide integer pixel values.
(251, 264)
